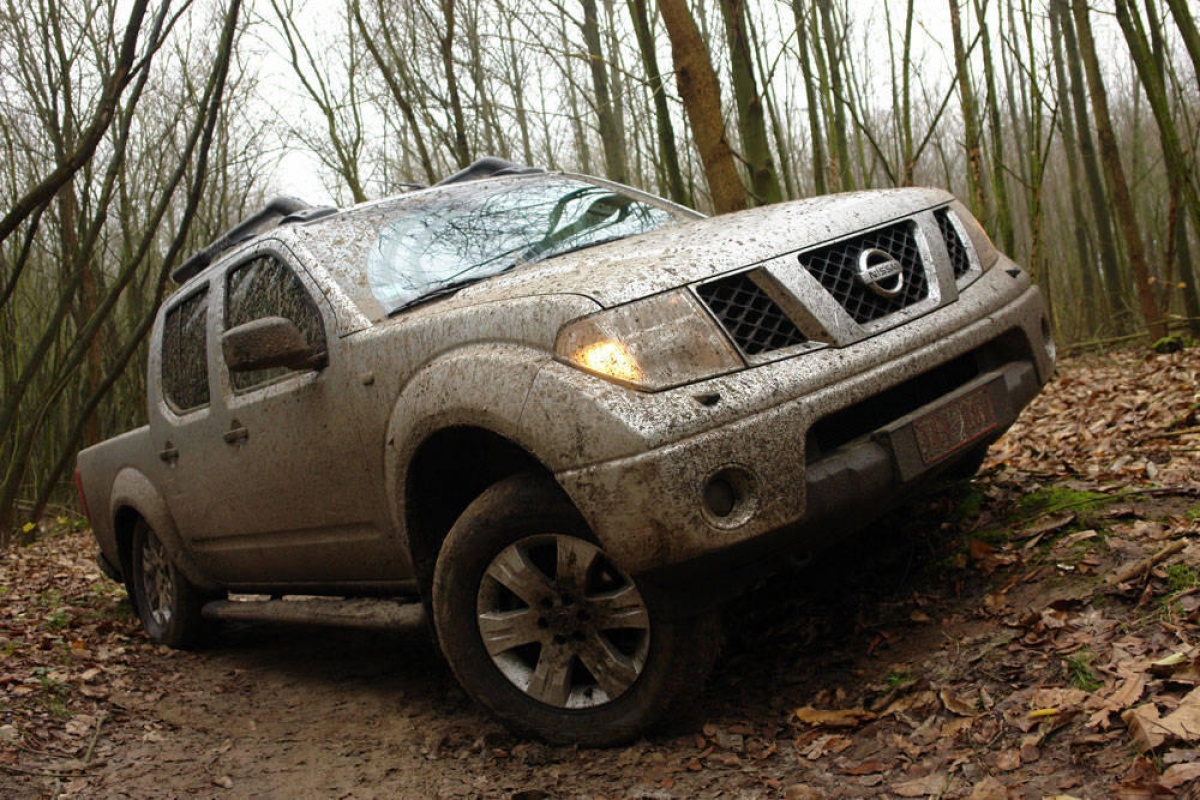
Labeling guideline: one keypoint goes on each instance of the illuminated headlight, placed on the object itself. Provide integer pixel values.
(651, 344)
(984, 249)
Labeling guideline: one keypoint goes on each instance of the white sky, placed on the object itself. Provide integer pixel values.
(299, 171)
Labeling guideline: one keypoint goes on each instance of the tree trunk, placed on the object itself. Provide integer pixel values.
(701, 95)
(1086, 266)
(833, 35)
(668, 153)
(1187, 30)
(389, 67)
(971, 137)
(815, 130)
(1123, 204)
(1106, 240)
(462, 150)
(1178, 168)
(611, 137)
(756, 147)
(102, 117)
(999, 182)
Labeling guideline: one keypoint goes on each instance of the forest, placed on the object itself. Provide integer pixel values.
(133, 133)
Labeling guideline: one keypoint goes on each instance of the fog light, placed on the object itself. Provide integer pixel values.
(720, 497)
(729, 497)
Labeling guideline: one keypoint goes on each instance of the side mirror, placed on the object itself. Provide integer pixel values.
(269, 342)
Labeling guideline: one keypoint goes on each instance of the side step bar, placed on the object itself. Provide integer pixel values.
(367, 614)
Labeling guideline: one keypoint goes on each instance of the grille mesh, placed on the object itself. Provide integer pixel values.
(959, 258)
(836, 267)
(754, 321)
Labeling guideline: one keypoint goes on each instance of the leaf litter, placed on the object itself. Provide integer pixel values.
(1032, 633)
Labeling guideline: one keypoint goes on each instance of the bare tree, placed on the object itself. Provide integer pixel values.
(1122, 201)
(756, 148)
(665, 129)
(340, 107)
(815, 126)
(61, 376)
(701, 93)
(1179, 168)
(972, 140)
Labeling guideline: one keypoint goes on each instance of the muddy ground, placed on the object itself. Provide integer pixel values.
(1033, 633)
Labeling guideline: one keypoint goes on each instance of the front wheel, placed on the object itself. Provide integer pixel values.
(543, 629)
(166, 601)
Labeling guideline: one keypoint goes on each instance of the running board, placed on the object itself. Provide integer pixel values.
(362, 613)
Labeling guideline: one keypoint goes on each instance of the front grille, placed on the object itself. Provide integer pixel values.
(753, 320)
(959, 258)
(836, 267)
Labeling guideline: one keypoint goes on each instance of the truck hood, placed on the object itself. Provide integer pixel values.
(625, 270)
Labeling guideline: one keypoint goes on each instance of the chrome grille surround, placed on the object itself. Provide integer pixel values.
(835, 266)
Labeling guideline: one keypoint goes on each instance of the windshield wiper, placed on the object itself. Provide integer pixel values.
(441, 291)
(583, 246)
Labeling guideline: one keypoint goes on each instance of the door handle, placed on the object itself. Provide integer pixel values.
(237, 434)
(169, 453)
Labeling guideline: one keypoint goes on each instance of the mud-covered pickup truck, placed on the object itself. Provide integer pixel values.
(567, 416)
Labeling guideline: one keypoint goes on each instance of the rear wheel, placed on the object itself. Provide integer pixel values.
(167, 603)
(542, 628)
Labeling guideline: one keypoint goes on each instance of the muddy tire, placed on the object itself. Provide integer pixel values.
(543, 629)
(166, 602)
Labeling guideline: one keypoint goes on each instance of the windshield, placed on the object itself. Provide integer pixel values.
(444, 240)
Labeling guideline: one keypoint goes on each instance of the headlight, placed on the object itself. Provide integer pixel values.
(980, 241)
(652, 344)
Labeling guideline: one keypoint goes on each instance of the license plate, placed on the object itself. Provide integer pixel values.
(955, 424)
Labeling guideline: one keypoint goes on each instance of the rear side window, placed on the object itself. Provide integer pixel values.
(266, 287)
(184, 355)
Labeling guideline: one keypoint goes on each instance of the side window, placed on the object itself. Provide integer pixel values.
(266, 287)
(184, 355)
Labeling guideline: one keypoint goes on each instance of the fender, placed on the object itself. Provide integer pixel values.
(132, 489)
(480, 385)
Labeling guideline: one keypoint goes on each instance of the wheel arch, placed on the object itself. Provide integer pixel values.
(454, 429)
(449, 469)
(135, 498)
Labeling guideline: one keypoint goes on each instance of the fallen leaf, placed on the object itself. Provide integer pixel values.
(989, 789)
(1058, 698)
(833, 718)
(867, 768)
(1008, 760)
(955, 704)
(824, 745)
(1129, 693)
(1180, 774)
(1183, 724)
(917, 700)
(80, 725)
(1178, 668)
(1048, 524)
(1144, 726)
(930, 786)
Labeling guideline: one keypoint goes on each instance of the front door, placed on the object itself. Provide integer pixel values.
(286, 491)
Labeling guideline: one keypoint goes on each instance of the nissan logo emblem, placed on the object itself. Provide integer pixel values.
(880, 272)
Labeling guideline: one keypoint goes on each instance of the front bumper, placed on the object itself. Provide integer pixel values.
(804, 476)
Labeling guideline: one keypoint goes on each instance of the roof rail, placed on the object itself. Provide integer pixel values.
(487, 168)
(278, 210)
